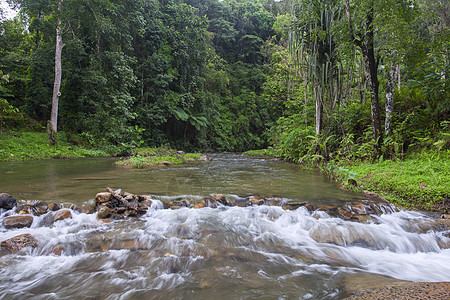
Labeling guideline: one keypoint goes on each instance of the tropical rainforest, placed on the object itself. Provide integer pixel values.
(312, 80)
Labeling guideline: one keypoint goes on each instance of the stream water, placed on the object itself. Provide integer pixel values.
(259, 252)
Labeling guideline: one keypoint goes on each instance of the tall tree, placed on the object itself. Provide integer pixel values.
(52, 126)
(364, 39)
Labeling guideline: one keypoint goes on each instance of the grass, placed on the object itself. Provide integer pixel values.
(34, 145)
(150, 157)
(420, 181)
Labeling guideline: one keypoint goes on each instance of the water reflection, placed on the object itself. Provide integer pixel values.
(79, 180)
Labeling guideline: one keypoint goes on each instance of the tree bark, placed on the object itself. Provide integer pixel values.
(390, 87)
(366, 43)
(318, 112)
(52, 125)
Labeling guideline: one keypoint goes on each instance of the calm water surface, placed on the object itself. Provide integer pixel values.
(80, 180)
(261, 252)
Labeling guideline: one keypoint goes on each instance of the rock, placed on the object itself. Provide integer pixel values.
(57, 250)
(293, 205)
(222, 199)
(47, 221)
(166, 163)
(68, 205)
(17, 222)
(85, 209)
(104, 212)
(102, 198)
(242, 202)
(62, 215)
(255, 200)
(359, 209)
(200, 205)
(53, 207)
(105, 221)
(17, 243)
(205, 158)
(210, 202)
(7, 201)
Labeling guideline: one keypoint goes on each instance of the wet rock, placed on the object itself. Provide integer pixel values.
(7, 201)
(255, 200)
(19, 242)
(200, 205)
(179, 203)
(29, 209)
(53, 206)
(104, 212)
(274, 201)
(105, 221)
(210, 202)
(293, 205)
(57, 250)
(359, 209)
(102, 198)
(62, 215)
(68, 205)
(17, 222)
(85, 209)
(47, 220)
(242, 202)
(222, 199)
(328, 208)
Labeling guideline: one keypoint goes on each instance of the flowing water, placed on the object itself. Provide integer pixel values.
(259, 252)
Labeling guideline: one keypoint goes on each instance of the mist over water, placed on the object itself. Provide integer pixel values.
(259, 252)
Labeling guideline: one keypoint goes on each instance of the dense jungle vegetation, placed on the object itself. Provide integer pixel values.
(339, 82)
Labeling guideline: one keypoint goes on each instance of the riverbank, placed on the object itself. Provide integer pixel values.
(20, 146)
(420, 181)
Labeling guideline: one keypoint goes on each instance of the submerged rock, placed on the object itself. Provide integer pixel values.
(7, 201)
(18, 221)
(17, 243)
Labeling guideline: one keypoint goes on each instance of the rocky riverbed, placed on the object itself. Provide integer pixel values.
(334, 234)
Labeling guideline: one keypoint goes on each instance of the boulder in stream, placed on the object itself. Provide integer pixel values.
(62, 215)
(20, 221)
(17, 243)
(7, 201)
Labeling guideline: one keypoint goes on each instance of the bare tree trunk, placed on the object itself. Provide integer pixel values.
(319, 110)
(390, 87)
(52, 125)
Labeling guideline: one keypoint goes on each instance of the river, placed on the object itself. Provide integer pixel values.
(259, 252)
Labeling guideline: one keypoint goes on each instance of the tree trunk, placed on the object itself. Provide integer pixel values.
(390, 87)
(371, 66)
(52, 125)
(318, 113)
(366, 43)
